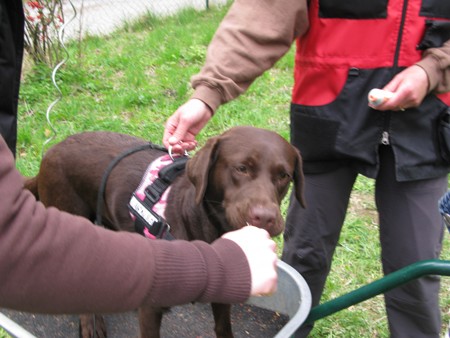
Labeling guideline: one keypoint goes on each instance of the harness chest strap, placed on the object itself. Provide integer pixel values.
(147, 204)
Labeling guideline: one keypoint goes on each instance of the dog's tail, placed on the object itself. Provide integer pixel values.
(31, 183)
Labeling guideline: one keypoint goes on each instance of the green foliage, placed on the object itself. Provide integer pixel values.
(134, 79)
(3, 334)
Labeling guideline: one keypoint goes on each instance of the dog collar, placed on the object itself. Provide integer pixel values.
(148, 203)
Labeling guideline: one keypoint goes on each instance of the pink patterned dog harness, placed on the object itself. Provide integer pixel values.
(148, 204)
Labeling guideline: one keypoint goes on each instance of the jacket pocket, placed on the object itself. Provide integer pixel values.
(435, 9)
(353, 9)
(314, 136)
(444, 135)
(437, 32)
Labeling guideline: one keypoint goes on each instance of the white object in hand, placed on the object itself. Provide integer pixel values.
(378, 96)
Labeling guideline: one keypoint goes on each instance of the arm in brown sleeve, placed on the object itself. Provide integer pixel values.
(252, 37)
(54, 262)
(436, 63)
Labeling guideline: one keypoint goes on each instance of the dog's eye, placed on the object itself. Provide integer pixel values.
(242, 169)
(284, 176)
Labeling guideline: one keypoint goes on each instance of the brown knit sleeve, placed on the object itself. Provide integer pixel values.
(197, 271)
(54, 262)
(436, 63)
(252, 37)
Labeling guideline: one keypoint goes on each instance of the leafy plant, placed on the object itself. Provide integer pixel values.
(43, 19)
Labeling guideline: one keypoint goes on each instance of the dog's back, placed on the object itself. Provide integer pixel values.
(72, 170)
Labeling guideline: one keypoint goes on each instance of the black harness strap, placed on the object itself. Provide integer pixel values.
(166, 176)
(114, 162)
(142, 210)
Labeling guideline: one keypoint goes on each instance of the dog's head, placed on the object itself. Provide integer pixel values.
(243, 175)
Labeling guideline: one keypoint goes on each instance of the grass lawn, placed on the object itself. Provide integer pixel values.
(134, 79)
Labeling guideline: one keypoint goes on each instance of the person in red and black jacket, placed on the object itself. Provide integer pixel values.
(54, 262)
(343, 50)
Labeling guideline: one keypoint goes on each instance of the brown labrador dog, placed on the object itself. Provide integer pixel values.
(237, 178)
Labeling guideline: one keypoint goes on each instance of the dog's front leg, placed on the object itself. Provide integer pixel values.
(150, 321)
(222, 320)
(92, 326)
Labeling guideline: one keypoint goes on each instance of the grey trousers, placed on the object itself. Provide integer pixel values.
(411, 229)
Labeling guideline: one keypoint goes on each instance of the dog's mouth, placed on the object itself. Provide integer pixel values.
(229, 216)
(258, 215)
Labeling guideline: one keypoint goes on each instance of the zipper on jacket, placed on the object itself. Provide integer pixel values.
(400, 34)
(385, 138)
(385, 134)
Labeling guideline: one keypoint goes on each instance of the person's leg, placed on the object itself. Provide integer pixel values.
(411, 230)
(11, 52)
(311, 234)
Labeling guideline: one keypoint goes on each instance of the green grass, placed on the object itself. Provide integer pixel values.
(134, 79)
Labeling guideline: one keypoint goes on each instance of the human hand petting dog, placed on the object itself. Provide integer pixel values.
(182, 127)
(260, 251)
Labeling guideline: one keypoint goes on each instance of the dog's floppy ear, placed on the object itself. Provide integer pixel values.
(197, 168)
(299, 179)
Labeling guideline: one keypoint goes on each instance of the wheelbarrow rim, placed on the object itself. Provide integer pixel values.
(292, 298)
